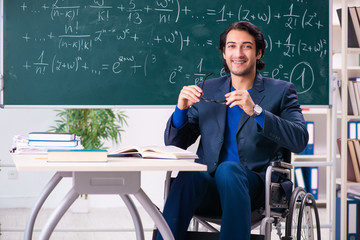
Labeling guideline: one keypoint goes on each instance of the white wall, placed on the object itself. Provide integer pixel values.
(145, 127)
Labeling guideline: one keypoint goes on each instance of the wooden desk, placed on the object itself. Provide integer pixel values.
(117, 176)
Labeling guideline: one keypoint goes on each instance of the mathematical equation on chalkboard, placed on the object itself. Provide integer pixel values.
(139, 38)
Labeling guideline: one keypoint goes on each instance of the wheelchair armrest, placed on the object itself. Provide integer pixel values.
(273, 198)
(280, 164)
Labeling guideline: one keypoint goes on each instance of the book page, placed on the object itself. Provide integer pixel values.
(171, 152)
(128, 149)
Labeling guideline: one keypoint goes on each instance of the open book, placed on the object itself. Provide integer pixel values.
(170, 152)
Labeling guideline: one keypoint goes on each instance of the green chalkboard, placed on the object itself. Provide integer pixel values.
(137, 52)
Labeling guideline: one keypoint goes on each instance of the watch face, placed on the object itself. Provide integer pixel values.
(257, 109)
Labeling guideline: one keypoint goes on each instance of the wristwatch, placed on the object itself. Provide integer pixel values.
(257, 111)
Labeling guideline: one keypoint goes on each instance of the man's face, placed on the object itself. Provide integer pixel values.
(240, 53)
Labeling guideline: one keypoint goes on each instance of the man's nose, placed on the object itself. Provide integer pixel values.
(240, 51)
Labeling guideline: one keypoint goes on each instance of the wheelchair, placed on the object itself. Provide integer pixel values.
(299, 213)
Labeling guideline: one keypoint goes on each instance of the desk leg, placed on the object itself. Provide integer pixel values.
(135, 216)
(35, 210)
(154, 213)
(55, 217)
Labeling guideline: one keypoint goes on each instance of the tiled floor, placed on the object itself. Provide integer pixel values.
(107, 224)
(115, 223)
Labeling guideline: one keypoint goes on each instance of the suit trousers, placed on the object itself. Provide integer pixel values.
(232, 192)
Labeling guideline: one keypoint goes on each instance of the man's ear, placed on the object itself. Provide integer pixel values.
(259, 54)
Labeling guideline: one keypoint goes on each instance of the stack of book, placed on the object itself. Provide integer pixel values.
(308, 178)
(353, 26)
(353, 159)
(309, 150)
(353, 96)
(40, 142)
(354, 129)
(353, 213)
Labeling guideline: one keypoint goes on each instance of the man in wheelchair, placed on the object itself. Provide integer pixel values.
(245, 121)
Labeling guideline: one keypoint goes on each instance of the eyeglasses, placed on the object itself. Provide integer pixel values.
(208, 99)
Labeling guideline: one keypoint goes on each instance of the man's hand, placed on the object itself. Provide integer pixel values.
(242, 99)
(189, 95)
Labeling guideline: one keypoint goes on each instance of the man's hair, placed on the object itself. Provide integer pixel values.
(253, 31)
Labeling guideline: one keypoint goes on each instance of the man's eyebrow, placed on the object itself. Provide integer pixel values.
(245, 42)
(248, 42)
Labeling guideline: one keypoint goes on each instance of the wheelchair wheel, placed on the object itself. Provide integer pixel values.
(309, 222)
(291, 224)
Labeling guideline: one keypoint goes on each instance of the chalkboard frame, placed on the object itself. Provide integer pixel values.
(1, 54)
(112, 105)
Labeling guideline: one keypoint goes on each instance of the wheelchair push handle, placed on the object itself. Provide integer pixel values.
(280, 164)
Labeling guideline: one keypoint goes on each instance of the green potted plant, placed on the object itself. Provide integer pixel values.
(93, 126)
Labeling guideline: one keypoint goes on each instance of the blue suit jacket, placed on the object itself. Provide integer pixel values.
(284, 126)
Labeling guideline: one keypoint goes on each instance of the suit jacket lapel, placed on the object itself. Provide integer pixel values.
(257, 96)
